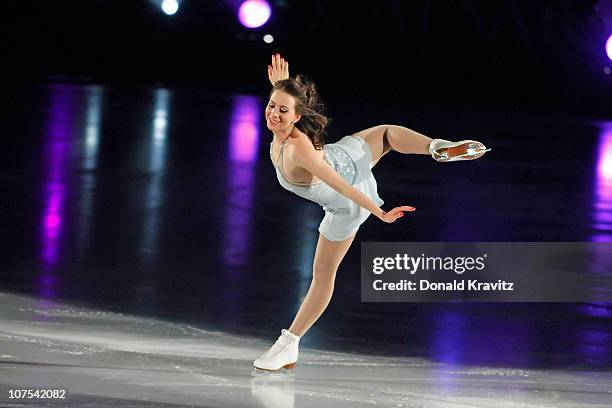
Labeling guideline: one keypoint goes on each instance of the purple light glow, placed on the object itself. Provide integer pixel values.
(244, 137)
(57, 146)
(254, 13)
(605, 216)
(52, 222)
(609, 47)
(47, 280)
(602, 221)
(450, 337)
(594, 344)
(243, 147)
(602, 214)
(604, 167)
(241, 170)
(597, 309)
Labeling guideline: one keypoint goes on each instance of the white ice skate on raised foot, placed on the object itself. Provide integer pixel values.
(445, 151)
(283, 354)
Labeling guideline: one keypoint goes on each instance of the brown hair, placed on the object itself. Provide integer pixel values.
(308, 104)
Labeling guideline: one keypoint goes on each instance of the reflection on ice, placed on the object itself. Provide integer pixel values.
(273, 390)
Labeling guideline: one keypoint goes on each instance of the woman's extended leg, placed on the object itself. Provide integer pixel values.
(384, 138)
(327, 258)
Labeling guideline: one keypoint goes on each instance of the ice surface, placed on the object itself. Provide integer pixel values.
(112, 359)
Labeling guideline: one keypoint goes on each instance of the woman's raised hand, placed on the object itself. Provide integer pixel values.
(394, 214)
(278, 70)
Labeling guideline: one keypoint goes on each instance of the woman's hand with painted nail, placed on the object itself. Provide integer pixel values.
(396, 213)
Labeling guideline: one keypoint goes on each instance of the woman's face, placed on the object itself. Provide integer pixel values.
(280, 112)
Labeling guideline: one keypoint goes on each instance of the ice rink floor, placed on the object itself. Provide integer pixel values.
(108, 359)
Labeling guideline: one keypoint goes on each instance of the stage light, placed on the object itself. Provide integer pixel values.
(268, 38)
(609, 47)
(170, 7)
(254, 13)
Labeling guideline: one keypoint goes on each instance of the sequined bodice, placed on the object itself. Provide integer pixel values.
(319, 192)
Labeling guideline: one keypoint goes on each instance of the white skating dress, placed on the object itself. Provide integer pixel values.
(350, 157)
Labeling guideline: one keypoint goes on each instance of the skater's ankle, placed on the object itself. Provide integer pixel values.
(291, 332)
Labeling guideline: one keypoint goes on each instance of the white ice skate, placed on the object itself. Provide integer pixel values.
(283, 354)
(445, 151)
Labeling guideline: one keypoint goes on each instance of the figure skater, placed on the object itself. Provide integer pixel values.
(337, 176)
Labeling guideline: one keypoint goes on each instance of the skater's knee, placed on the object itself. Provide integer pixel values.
(394, 131)
(386, 145)
(323, 273)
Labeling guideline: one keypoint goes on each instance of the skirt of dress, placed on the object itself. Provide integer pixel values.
(343, 216)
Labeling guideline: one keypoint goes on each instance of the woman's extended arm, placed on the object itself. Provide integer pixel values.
(278, 70)
(307, 158)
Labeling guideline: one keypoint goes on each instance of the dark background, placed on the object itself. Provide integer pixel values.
(511, 53)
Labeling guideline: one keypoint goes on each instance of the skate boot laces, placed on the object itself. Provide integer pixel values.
(281, 344)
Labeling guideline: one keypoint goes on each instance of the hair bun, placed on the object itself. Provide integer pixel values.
(310, 89)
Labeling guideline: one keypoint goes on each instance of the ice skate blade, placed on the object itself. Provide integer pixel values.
(281, 372)
(467, 151)
(287, 366)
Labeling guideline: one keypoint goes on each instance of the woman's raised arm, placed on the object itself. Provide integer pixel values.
(279, 69)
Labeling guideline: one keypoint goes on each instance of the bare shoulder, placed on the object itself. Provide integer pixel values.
(299, 147)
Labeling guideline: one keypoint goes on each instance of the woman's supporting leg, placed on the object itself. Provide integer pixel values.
(384, 138)
(327, 258)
